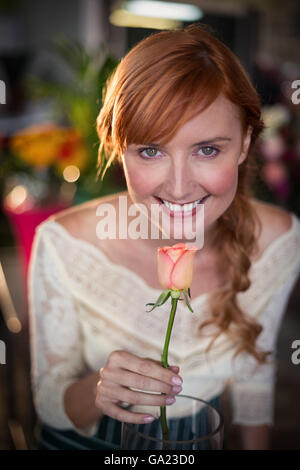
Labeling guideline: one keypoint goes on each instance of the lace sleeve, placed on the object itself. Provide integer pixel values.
(252, 389)
(55, 337)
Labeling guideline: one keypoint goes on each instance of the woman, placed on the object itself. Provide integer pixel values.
(181, 116)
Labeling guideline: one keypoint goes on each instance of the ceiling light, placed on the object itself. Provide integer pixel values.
(127, 20)
(168, 10)
(154, 14)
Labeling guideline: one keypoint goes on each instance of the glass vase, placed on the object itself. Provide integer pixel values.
(193, 424)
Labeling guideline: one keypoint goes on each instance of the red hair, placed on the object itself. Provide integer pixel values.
(163, 82)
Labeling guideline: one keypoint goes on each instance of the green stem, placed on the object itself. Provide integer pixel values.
(164, 360)
(164, 426)
(164, 357)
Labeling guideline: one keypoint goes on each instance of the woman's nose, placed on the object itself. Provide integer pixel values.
(180, 180)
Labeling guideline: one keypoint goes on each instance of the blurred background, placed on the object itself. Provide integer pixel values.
(54, 60)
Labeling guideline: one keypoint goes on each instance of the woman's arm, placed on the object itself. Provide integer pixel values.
(63, 388)
(79, 401)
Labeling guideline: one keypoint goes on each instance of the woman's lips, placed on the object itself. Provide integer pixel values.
(181, 213)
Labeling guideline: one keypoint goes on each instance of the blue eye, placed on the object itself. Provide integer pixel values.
(208, 151)
(148, 152)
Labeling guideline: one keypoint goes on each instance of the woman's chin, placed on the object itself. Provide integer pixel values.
(178, 233)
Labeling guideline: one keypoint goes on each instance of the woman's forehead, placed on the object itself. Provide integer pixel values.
(220, 119)
(220, 112)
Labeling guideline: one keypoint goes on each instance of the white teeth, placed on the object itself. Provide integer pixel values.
(184, 208)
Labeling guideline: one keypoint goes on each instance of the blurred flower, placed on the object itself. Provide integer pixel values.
(37, 145)
(48, 144)
(55, 162)
(276, 177)
(273, 147)
(274, 173)
(71, 151)
(274, 117)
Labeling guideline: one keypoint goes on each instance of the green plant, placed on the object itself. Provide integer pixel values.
(78, 100)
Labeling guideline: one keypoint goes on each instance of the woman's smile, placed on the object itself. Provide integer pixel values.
(181, 209)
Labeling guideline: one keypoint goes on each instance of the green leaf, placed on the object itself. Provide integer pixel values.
(187, 301)
(189, 292)
(161, 299)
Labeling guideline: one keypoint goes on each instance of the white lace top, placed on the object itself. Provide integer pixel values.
(82, 307)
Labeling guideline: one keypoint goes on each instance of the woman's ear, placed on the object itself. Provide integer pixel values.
(245, 145)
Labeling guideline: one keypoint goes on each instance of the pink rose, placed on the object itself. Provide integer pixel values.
(175, 266)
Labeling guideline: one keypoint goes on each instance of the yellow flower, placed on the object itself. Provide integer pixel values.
(47, 144)
(37, 145)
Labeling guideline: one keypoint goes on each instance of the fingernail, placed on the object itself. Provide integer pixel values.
(176, 380)
(148, 419)
(176, 389)
(170, 400)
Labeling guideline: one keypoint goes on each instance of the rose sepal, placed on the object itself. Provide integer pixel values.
(161, 299)
(175, 294)
(187, 301)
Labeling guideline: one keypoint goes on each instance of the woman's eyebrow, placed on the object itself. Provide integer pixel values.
(212, 140)
(203, 142)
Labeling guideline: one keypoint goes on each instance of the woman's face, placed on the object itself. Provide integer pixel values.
(201, 160)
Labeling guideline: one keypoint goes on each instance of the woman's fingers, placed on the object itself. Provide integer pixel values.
(125, 416)
(146, 367)
(137, 398)
(127, 378)
(174, 369)
(140, 382)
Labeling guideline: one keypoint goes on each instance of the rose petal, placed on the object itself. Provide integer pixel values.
(182, 274)
(175, 253)
(179, 245)
(164, 268)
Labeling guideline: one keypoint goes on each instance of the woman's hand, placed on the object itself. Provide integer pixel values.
(123, 371)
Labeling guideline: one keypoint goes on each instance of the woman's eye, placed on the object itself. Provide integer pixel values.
(208, 151)
(152, 152)
(148, 152)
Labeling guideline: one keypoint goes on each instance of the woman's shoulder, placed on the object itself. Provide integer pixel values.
(80, 220)
(275, 222)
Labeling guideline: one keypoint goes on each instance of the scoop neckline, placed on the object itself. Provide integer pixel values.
(118, 267)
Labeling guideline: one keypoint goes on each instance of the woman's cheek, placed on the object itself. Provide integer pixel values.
(142, 182)
(222, 181)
